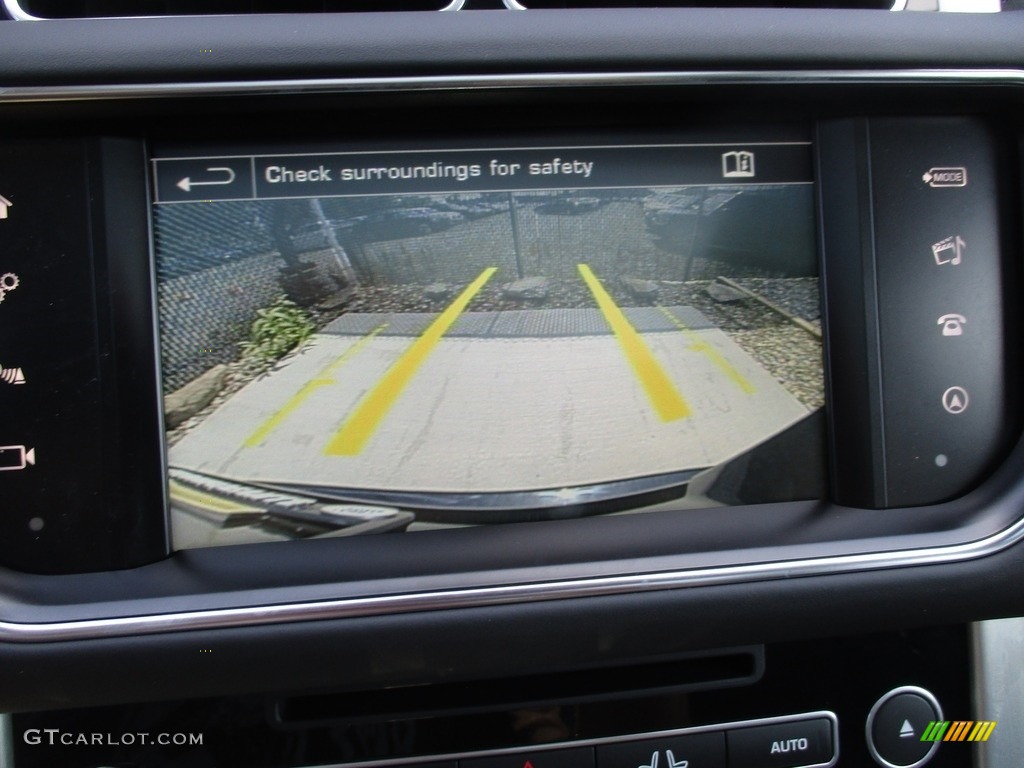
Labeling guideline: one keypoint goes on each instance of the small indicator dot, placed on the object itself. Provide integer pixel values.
(941, 460)
(36, 524)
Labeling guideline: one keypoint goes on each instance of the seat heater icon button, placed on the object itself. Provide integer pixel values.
(694, 750)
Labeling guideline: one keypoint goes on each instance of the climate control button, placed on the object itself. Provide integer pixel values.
(782, 745)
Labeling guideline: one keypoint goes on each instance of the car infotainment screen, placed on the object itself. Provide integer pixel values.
(412, 338)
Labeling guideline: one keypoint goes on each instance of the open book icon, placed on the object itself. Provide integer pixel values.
(738, 164)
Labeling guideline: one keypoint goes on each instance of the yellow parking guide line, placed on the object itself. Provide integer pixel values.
(323, 379)
(697, 344)
(358, 428)
(206, 501)
(660, 390)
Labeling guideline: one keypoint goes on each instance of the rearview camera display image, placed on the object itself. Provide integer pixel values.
(386, 342)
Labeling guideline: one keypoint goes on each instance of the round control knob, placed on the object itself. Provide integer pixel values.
(895, 725)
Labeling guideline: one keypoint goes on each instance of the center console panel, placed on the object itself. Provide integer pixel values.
(913, 458)
(783, 705)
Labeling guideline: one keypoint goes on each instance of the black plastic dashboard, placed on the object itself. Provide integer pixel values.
(601, 593)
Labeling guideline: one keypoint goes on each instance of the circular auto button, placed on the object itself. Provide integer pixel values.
(895, 726)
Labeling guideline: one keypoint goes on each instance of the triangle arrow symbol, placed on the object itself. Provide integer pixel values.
(906, 730)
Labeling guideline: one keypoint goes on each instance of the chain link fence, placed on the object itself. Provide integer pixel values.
(220, 262)
(217, 264)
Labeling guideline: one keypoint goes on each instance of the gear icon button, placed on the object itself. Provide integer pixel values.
(8, 282)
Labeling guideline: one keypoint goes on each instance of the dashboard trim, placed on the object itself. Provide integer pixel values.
(522, 591)
(17, 13)
(440, 600)
(292, 87)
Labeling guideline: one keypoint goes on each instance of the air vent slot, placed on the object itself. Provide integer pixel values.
(80, 9)
(693, 672)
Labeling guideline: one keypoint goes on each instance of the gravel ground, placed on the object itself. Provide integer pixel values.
(799, 295)
(792, 356)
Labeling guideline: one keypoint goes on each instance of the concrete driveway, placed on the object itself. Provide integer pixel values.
(496, 401)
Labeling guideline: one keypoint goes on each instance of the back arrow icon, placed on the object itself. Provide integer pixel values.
(186, 184)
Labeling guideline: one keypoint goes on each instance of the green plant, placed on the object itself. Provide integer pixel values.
(277, 330)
